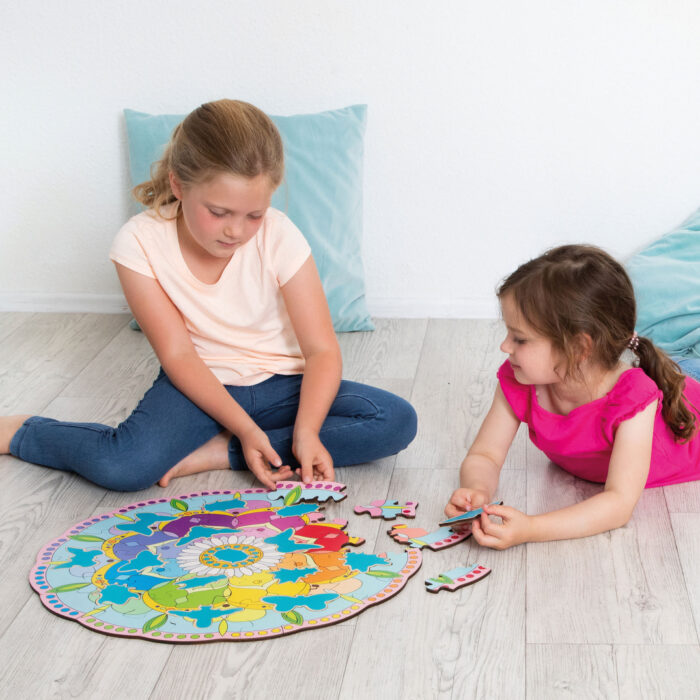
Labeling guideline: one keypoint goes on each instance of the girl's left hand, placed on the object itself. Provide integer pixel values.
(513, 529)
(316, 462)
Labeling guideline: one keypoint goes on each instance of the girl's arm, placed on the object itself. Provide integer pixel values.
(482, 466)
(165, 329)
(612, 508)
(308, 311)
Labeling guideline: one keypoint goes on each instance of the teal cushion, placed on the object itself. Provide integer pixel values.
(666, 278)
(321, 193)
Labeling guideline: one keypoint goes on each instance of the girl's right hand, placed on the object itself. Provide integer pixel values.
(259, 455)
(464, 500)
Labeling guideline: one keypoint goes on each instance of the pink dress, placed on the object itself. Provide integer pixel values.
(582, 441)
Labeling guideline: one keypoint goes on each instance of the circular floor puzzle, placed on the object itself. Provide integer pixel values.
(233, 565)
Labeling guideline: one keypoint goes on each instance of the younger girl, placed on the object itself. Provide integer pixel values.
(227, 292)
(569, 316)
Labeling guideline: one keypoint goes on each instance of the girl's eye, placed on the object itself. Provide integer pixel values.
(519, 341)
(255, 217)
(217, 214)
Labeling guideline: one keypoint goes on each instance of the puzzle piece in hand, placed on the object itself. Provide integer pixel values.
(469, 515)
(457, 578)
(418, 537)
(313, 491)
(388, 509)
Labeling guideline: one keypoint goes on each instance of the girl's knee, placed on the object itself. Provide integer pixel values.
(402, 422)
(119, 474)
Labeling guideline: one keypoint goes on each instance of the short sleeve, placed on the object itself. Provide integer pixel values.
(127, 250)
(633, 392)
(288, 249)
(517, 395)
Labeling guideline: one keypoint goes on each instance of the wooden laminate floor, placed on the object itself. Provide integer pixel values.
(611, 616)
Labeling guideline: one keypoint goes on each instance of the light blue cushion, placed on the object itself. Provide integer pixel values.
(666, 278)
(321, 193)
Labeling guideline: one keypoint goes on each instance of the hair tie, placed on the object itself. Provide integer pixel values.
(633, 343)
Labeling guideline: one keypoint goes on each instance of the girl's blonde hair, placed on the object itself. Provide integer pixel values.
(226, 136)
(578, 290)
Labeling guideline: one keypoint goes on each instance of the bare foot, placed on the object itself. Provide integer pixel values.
(9, 425)
(211, 455)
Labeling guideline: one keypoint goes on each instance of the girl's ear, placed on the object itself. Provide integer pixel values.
(175, 185)
(584, 346)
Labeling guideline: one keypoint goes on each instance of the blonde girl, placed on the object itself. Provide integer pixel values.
(227, 293)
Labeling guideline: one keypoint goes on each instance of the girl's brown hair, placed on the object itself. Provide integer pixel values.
(226, 136)
(575, 291)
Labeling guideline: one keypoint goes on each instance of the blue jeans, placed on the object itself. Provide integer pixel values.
(689, 366)
(363, 424)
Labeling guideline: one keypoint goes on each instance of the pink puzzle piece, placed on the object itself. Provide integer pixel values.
(457, 578)
(388, 509)
(419, 538)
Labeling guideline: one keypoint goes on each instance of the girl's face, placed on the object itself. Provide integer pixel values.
(531, 355)
(224, 213)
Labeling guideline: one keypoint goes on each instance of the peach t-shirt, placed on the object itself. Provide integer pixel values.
(238, 325)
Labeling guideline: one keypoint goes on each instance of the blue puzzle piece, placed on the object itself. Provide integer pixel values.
(285, 603)
(469, 515)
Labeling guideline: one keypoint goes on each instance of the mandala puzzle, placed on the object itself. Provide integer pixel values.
(219, 565)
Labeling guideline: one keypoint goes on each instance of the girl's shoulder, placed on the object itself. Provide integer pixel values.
(517, 395)
(144, 238)
(631, 394)
(282, 244)
(152, 222)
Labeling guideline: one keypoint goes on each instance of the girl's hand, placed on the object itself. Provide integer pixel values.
(514, 528)
(315, 460)
(259, 455)
(464, 500)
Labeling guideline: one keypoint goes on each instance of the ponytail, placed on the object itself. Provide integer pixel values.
(671, 381)
(156, 192)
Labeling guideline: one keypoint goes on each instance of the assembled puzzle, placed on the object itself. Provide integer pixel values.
(217, 565)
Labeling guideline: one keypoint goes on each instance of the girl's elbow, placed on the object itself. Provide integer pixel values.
(622, 516)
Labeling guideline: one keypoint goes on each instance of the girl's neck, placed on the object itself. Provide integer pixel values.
(593, 383)
(205, 267)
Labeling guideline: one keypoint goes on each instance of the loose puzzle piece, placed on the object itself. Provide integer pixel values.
(319, 491)
(457, 578)
(418, 537)
(216, 565)
(469, 515)
(388, 510)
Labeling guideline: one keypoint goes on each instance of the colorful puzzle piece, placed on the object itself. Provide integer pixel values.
(216, 565)
(469, 515)
(418, 537)
(319, 491)
(388, 509)
(456, 578)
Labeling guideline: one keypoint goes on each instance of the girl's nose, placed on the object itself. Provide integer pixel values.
(505, 346)
(233, 229)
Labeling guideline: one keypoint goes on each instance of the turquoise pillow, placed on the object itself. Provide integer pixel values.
(666, 279)
(321, 193)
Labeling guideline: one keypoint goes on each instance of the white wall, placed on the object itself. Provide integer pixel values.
(496, 129)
